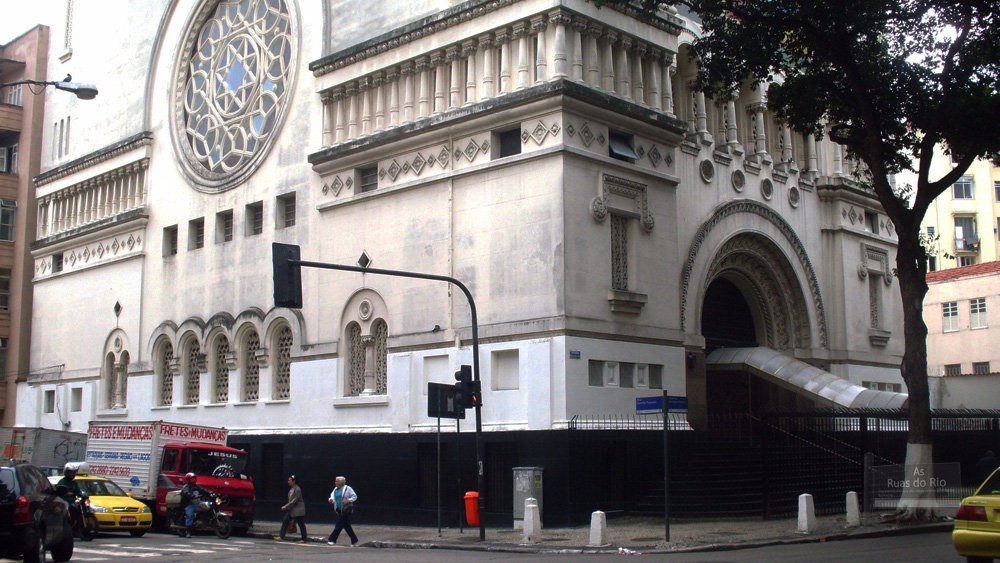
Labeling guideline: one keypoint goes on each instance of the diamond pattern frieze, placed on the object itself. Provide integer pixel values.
(86, 254)
(394, 170)
(418, 164)
(115, 246)
(381, 173)
(586, 135)
(601, 139)
(444, 156)
(554, 130)
(639, 151)
(337, 185)
(853, 215)
(655, 156)
(525, 136)
(130, 242)
(570, 130)
(431, 161)
(539, 133)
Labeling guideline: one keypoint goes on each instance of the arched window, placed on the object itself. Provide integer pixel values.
(380, 333)
(192, 374)
(164, 361)
(220, 370)
(356, 356)
(249, 367)
(283, 363)
(121, 385)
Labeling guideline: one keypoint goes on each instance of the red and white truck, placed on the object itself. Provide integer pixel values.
(149, 459)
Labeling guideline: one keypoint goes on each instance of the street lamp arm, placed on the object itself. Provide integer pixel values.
(81, 90)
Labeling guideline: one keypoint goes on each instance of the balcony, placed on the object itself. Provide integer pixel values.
(967, 244)
(11, 117)
(94, 201)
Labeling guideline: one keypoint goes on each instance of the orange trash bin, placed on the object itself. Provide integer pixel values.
(472, 508)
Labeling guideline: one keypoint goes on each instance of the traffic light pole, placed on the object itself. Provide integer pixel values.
(475, 353)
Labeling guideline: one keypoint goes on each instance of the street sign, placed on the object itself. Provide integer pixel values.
(654, 405)
(441, 401)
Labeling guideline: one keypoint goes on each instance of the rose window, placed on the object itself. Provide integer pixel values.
(233, 90)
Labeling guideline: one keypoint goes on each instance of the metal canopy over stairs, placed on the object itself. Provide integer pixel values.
(825, 388)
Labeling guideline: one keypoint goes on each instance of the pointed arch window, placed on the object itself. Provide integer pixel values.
(166, 376)
(192, 387)
(250, 367)
(220, 370)
(283, 363)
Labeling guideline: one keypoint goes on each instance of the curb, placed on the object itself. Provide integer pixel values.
(938, 527)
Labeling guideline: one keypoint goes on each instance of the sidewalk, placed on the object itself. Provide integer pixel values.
(638, 534)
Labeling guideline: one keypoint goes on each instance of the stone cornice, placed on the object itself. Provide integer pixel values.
(96, 157)
(451, 17)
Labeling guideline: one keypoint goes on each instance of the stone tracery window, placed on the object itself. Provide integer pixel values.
(380, 332)
(237, 66)
(166, 358)
(356, 355)
(619, 252)
(250, 367)
(221, 370)
(283, 365)
(192, 385)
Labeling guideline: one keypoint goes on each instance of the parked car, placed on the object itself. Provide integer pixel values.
(977, 523)
(114, 509)
(33, 519)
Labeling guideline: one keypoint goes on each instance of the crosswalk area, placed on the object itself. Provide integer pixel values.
(105, 550)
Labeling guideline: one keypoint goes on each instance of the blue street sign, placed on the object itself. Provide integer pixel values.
(651, 405)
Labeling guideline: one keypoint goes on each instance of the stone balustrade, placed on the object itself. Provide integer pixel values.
(93, 200)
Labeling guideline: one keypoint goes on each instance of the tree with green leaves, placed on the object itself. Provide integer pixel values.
(889, 80)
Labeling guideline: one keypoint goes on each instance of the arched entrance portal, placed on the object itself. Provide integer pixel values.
(753, 298)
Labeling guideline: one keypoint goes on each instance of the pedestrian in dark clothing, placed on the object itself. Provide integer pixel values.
(295, 509)
(343, 498)
(986, 465)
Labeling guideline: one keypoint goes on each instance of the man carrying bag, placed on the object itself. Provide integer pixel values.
(343, 498)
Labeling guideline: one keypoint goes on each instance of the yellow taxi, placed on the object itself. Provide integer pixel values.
(977, 523)
(114, 509)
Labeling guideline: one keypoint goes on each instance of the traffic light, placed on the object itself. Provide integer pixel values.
(463, 387)
(287, 277)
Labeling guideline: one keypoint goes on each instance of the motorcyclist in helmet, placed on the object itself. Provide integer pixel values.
(191, 495)
(72, 490)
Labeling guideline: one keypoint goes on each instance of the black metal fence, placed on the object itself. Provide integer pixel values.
(742, 465)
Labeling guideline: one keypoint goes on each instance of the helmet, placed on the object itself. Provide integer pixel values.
(190, 477)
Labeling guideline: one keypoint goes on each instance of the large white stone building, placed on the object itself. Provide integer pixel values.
(614, 227)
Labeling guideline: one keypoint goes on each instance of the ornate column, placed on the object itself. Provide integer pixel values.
(521, 35)
(440, 81)
(503, 37)
(560, 55)
(378, 79)
(760, 137)
(408, 92)
(610, 36)
(118, 390)
(338, 110)
(352, 110)
(638, 82)
(392, 79)
(579, 27)
(424, 95)
(700, 112)
(655, 101)
(812, 157)
(327, 118)
(624, 73)
(838, 160)
(368, 342)
(469, 52)
(486, 45)
(541, 54)
(787, 156)
(592, 61)
(669, 70)
(732, 134)
(364, 91)
(455, 90)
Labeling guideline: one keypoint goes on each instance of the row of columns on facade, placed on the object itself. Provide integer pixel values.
(583, 50)
(616, 64)
(93, 199)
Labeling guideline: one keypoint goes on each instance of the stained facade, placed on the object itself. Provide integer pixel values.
(552, 155)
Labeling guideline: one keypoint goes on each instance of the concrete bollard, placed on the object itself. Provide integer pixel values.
(807, 514)
(853, 512)
(598, 527)
(532, 521)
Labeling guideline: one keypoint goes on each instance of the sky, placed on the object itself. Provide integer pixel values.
(18, 16)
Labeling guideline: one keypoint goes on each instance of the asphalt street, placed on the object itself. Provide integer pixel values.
(931, 547)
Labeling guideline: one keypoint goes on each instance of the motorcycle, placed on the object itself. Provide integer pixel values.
(209, 516)
(84, 520)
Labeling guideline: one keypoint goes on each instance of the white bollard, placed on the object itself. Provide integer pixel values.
(853, 512)
(532, 521)
(598, 526)
(807, 514)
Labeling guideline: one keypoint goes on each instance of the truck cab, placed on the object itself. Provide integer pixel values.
(220, 469)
